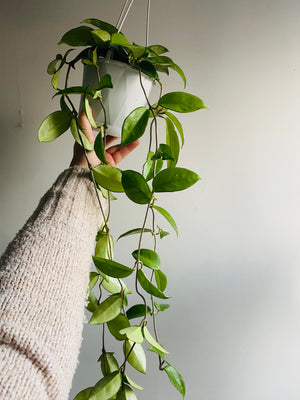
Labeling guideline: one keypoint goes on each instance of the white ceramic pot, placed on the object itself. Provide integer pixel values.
(125, 96)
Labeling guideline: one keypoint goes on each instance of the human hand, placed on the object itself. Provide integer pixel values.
(113, 154)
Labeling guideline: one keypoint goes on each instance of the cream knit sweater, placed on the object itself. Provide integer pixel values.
(43, 280)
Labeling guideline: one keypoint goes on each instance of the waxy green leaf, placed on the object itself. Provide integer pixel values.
(108, 363)
(84, 394)
(158, 49)
(99, 146)
(148, 167)
(163, 152)
(88, 112)
(100, 36)
(131, 383)
(160, 353)
(148, 69)
(76, 132)
(75, 90)
(148, 257)
(92, 302)
(80, 36)
(113, 285)
(101, 25)
(136, 358)
(118, 323)
(105, 82)
(161, 307)
(54, 80)
(168, 217)
(93, 279)
(109, 177)
(54, 125)
(112, 268)
(149, 287)
(152, 341)
(105, 246)
(181, 102)
(177, 124)
(174, 179)
(106, 387)
(136, 187)
(136, 311)
(133, 333)
(134, 232)
(134, 125)
(176, 379)
(126, 393)
(107, 310)
(173, 142)
(118, 39)
(161, 280)
(51, 69)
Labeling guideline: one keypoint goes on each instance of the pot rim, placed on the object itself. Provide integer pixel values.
(103, 60)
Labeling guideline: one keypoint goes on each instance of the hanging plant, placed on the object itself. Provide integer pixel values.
(109, 301)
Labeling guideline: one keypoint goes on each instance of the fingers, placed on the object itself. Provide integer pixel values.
(118, 153)
(110, 139)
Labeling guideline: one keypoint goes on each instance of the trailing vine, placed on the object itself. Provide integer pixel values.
(108, 294)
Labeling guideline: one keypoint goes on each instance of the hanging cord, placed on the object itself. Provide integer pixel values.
(148, 23)
(124, 14)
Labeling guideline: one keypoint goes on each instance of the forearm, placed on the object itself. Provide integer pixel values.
(44, 278)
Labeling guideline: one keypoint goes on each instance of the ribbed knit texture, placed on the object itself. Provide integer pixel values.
(43, 281)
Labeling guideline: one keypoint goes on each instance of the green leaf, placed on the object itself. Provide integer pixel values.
(93, 279)
(51, 69)
(149, 287)
(119, 39)
(134, 125)
(64, 106)
(101, 25)
(163, 152)
(174, 179)
(106, 387)
(104, 245)
(148, 167)
(99, 146)
(162, 233)
(88, 112)
(164, 61)
(109, 177)
(113, 285)
(181, 102)
(126, 393)
(148, 69)
(76, 90)
(136, 311)
(112, 268)
(54, 125)
(108, 363)
(133, 333)
(155, 350)
(131, 383)
(118, 323)
(176, 379)
(136, 358)
(168, 217)
(161, 280)
(161, 307)
(148, 257)
(100, 36)
(76, 132)
(173, 142)
(105, 82)
(92, 302)
(84, 394)
(107, 310)
(136, 50)
(152, 341)
(80, 36)
(134, 232)
(177, 125)
(136, 187)
(54, 80)
(158, 49)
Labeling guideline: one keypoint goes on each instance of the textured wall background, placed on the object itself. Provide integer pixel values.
(234, 271)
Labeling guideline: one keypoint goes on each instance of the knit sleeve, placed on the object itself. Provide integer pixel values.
(44, 276)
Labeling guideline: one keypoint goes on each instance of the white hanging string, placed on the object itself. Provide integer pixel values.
(124, 14)
(148, 23)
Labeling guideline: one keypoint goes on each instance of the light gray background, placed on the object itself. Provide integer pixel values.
(234, 324)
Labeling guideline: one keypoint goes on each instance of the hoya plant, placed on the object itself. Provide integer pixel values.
(133, 324)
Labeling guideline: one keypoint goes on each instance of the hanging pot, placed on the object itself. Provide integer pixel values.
(125, 96)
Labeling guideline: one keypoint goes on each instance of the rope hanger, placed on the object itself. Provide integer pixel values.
(123, 15)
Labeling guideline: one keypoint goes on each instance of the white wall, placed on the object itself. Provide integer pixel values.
(234, 271)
